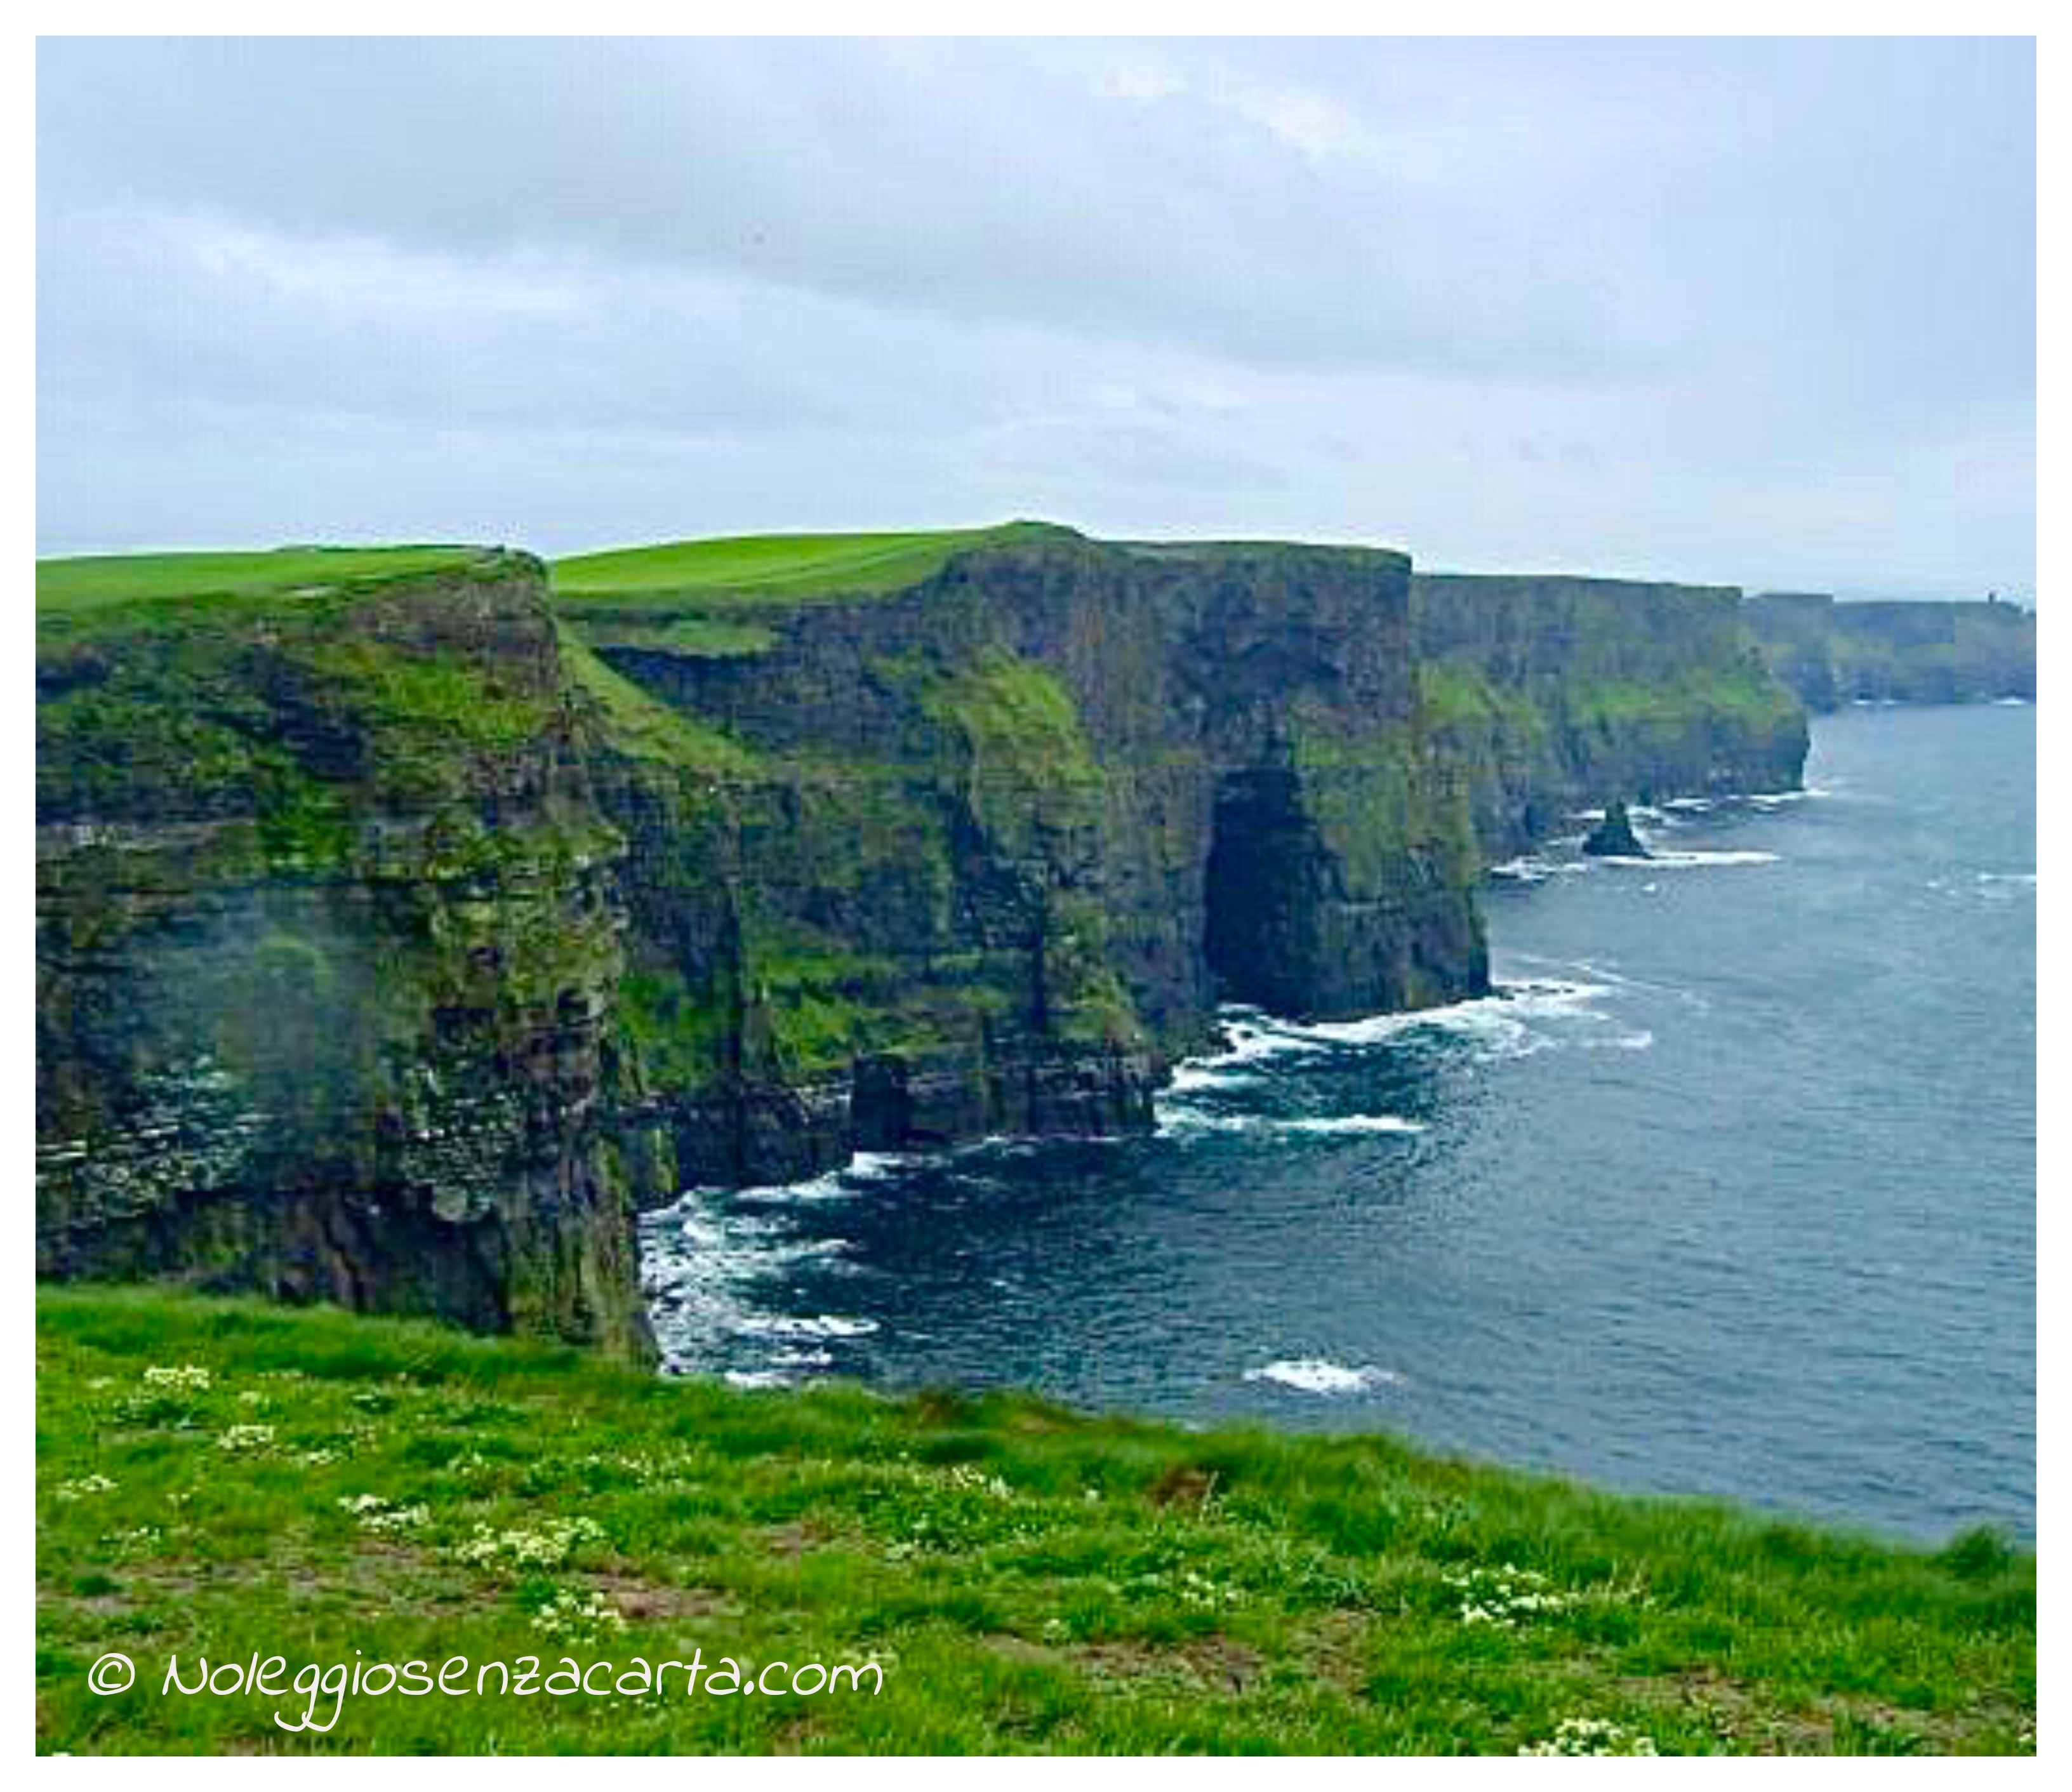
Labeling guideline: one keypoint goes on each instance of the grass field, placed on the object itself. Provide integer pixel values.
(751, 569)
(227, 1480)
(94, 582)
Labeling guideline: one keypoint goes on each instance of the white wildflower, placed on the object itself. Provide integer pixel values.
(1591, 1735)
(85, 1486)
(1501, 1597)
(548, 1546)
(977, 1480)
(379, 1515)
(189, 1378)
(241, 1440)
(575, 1615)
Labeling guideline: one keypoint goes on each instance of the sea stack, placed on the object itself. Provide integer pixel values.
(1614, 837)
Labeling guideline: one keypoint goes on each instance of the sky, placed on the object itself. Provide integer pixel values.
(1748, 311)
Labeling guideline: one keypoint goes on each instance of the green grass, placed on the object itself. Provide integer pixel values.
(751, 569)
(79, 590)
(1745, 691)
(1024, 1578)
(643, 727)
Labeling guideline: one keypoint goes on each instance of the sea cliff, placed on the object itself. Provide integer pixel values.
(1553, 694)
(1832, 653)
(404, 923)
(327, 943)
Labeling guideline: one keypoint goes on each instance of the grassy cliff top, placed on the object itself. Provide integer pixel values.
(227, 1479)
(752, 567)
(119, 594)
(89, 580)
(746, 570)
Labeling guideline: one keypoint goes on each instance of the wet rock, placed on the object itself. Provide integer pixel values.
(1614, 837)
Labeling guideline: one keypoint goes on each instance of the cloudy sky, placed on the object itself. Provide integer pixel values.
(1757, 312)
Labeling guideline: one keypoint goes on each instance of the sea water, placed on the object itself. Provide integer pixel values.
(1730, 1188)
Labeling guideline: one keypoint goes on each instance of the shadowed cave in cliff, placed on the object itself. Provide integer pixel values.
(1261, 893)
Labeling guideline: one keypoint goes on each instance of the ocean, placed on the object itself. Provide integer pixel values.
(1729, 1189)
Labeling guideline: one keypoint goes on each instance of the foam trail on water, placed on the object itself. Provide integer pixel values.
(826, 1324)
(1178, 1119)
(1501, 1014)
(1313, 1375)
(1529, 867)
(1694, 859)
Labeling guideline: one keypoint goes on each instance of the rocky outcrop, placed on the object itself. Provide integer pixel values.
(1614, 837)
(1832, 653)
(397, 940)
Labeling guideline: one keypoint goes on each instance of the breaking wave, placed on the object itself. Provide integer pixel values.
(1313, 1374)
(1674, 860)
(1177, 1118)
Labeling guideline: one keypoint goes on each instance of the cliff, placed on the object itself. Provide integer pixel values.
(401, 926)
(1547, 695)
(981, 852)
(326, 948)
(1831, 653)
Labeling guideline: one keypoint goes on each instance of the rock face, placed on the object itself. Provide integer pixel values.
(1544, 693)
(326, 953)
(395, 943)
(1614, 837)
(1832, 653)
(983, 854)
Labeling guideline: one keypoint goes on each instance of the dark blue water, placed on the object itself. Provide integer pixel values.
(1732, 1190)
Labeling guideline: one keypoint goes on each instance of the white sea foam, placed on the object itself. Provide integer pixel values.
(1313, 1375)
(1512, 1004)
(875, 1166)
(1250, 1039)
(1254, 1037)
(785, 1324)
(1990, 887)
(1640, 1039)
(1353, 1123)
(1529, 867)
(2011, 703)
(830, 1186)
(844, 1183)
(1693, 859)
(1176, 1118)
(1197, 1073)
(708, 1264)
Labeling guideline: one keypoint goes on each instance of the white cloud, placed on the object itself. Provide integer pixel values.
(1631, 306)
